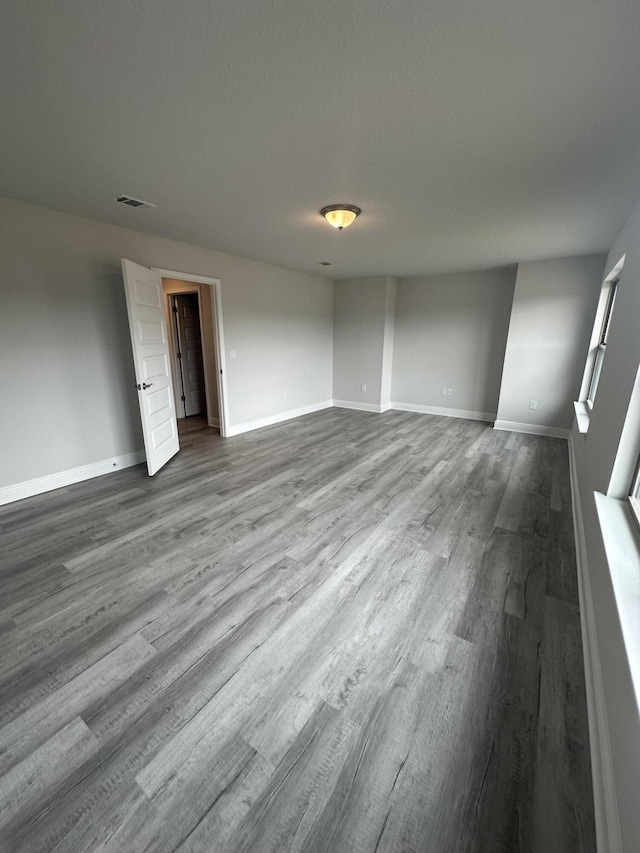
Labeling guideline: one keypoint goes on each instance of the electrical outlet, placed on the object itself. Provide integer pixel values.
(363, 387)
(533, 404)
(443, 392)
(448, 392)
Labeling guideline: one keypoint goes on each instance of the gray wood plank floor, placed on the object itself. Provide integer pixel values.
(350, 632)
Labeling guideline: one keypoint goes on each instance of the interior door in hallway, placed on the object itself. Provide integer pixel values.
(143, 290)
(187, 315)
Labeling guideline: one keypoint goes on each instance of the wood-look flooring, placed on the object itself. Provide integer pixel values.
(344, 634)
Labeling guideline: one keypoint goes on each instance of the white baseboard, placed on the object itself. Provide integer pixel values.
(445, 412)
(533, 429)
(608, 838)
(236, 429)
(361, 407)
(9, 494)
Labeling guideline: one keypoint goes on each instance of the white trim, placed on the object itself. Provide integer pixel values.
(624, 476)
(181, 411)
(185, 276)
(533, 429)
(622, 547)
(39, 485)
(608, 838)
(223, 411)
(236, 429)
(583, 416)
(214, 422)
(444, 412)
(361, 407)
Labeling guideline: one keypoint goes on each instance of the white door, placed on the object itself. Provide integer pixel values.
(143, 290)
(190, 342)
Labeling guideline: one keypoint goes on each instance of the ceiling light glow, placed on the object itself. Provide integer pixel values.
(340, 215)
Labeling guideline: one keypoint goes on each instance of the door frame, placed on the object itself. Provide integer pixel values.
(218, 333)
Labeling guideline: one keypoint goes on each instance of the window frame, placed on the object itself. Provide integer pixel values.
(634, 495)
(597, 347)
(597, 354)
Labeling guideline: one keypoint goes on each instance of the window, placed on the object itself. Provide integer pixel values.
(598, 355)
(597, 346)
(634, 497)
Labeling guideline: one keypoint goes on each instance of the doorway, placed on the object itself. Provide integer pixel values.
(199, 315)
(187, 338)
(150, 322)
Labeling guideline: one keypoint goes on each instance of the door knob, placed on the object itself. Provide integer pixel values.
(144, 386)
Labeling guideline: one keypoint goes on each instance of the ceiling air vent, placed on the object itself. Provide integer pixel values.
(133, 202)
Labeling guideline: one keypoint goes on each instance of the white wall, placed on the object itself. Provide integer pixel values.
(551, 321)
(595, 454)
(451, 332)
(67, 378)
(360, 318)
(389, 341)
(280, 324)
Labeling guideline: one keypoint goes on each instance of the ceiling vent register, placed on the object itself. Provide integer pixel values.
(133, 202)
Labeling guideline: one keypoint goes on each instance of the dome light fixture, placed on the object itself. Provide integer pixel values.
(340, 215)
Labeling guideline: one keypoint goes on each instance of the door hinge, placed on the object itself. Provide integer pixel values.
(179, 354)
(174, 308)
(183, 398)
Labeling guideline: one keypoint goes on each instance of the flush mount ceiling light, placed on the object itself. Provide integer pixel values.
(340, 215)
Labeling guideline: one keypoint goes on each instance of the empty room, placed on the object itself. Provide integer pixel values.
(320, 459)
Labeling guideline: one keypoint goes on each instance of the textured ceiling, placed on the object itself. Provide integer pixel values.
(470, 133)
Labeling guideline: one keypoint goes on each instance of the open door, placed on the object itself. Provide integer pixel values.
(145, 306)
